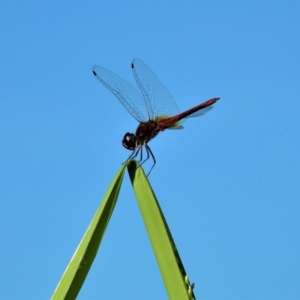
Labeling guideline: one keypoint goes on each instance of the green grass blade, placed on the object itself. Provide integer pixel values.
(169, 262)
(79, 266)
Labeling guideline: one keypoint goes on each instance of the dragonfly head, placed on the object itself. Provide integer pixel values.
(129, 141)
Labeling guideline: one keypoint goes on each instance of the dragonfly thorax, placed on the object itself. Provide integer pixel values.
(144, 133)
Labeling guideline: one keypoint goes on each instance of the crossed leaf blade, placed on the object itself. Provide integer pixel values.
(170, 265)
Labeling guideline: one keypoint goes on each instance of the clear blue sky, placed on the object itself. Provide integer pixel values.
(228, 184)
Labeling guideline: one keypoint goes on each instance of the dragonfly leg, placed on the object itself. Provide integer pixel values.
(134, 153)
(141, 156)
(149, 153)
(139, 148)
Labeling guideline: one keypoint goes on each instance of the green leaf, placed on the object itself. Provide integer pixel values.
(170, 265)
(169, 262)
(78, 268)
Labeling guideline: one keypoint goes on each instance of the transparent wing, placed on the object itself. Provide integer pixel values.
(158, 100)
(127, 94)
(198, 113)
(178, 127)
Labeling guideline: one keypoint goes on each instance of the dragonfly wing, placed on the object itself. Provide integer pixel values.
(200, 112)
(158, 100)
(178, 127)
(127, 94)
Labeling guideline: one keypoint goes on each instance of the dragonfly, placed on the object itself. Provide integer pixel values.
(153, 107)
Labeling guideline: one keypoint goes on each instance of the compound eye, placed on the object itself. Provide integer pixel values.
(129, 141)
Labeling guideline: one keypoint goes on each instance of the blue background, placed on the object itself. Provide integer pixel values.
(228, 183)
